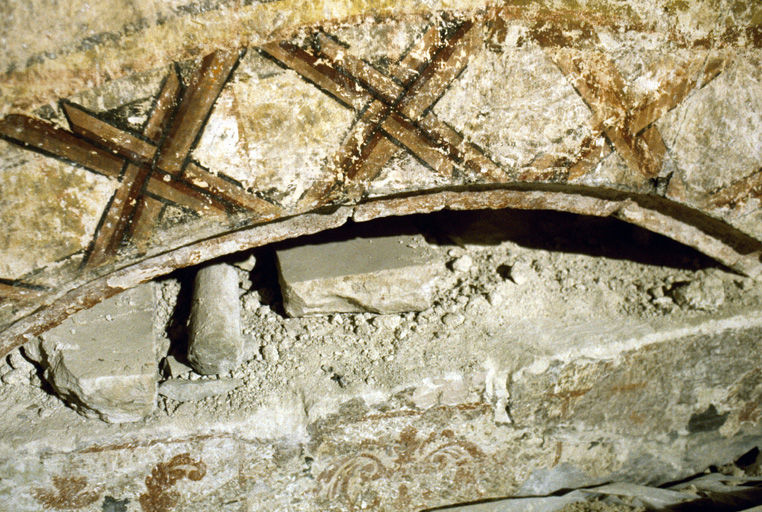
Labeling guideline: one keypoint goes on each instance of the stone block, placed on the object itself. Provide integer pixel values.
(215, 343)
(184, 390)
(386, 274)
(172, 367)
(101, 361)
(707, 294)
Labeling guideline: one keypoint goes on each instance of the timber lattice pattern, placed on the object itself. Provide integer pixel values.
(393, 110)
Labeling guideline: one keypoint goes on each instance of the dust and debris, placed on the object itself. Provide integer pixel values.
(599, 506)
(536, 281)
(527, 280)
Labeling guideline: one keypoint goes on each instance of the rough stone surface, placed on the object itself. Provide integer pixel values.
(183, 390)
(247, 264)
(381, 275)
(574, 379)
(707, 293)
(155, 137)
(102, 362)
(174, 368)
(521, 272)
(139, 137)
(215, 345)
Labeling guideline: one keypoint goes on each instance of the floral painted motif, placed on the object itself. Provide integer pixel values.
(159, 496)
(444, 455)
(70, 493)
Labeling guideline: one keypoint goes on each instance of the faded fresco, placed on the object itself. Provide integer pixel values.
(151, 136)
(586, 103)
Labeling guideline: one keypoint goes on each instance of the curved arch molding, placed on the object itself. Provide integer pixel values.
(194, 133)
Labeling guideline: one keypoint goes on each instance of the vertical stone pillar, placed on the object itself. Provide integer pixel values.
(215, 344)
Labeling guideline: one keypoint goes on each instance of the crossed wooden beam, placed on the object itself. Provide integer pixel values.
(620, 123)
(154, 167)
(393, 111)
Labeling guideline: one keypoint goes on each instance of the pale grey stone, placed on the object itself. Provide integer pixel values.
(270, 353)
(184, 390)
(101, 361)
(541, 504)
(388, 274)
(16, 360)
(15, 369)
(707, 294)
(215, 343)
(174, 368)
(246, 264)
(463, 264)
(656, 292)
(453, 319)
(16, 377)
(665, 303)
(544, 481)
(652, 497)
(32, 350)
(521, 272)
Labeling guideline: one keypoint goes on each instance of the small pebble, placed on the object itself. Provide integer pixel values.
(16, 377)
(453, 319)
(521, 272)
(247, 264)
(387, 321)
(656, 291)
(270, 353)
(664, 303)
(16, 360)
(495, 298)
(462, 264)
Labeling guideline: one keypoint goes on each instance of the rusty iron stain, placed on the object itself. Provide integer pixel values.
(749, 413)
(738, 192)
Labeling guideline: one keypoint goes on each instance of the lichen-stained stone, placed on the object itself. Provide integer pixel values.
(57, 222)
(134, 92)
(60, 35)
(612, 170)
(381, 42)
(403, 173)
